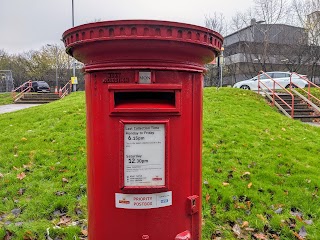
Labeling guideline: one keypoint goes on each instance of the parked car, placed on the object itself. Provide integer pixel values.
(40, 86)
(36, 86)
(282, 78)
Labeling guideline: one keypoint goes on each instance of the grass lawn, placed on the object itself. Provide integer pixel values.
(260, 170)
(42, 167)
(5, 98)
(314, 91)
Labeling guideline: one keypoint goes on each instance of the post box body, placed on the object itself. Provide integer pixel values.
(144, 128)
(181, 146)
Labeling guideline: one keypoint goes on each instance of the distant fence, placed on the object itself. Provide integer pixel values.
(6, 81)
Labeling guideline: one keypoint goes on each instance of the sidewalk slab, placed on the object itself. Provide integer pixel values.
(314, 124)
(15, 107)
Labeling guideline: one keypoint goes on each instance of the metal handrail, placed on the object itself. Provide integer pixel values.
(22, 89)
(65, 90)
(274, 94)
(309, 85)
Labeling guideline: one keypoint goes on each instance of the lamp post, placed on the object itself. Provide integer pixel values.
(221, 65)
(56, 60)
(72, 13)
(74, 85)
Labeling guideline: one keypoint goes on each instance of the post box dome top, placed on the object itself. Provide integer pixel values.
(142, 44)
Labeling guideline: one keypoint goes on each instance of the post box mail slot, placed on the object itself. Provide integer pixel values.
(145, 98)
(144, 114)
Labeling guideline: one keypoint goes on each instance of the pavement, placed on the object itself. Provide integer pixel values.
(15, 107)
(314, 124)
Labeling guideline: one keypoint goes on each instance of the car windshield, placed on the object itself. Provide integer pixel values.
(262, 76)
(43, 84)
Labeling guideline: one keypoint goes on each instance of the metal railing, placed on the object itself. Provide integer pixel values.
(310, 96)
(18, 92)
(26, 87)
(65, 90)
(276, 95)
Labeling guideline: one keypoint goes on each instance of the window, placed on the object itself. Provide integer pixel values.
(280, 75)
(263, 76)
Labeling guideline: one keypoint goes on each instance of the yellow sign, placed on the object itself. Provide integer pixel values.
(74, 80)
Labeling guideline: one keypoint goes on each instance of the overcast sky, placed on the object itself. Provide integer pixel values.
(30, 24)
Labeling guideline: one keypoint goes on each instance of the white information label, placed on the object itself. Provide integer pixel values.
(144, 155)
(144, 77)
(143, 201)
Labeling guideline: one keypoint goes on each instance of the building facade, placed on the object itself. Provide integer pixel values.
(267, 47)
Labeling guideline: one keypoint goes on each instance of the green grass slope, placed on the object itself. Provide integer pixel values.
(5, 98)
(314, 91)
(260, 174)
(42, 167)
(260, 170)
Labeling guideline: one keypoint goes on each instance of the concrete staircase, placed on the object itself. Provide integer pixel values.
(303, 111)
(37, 98)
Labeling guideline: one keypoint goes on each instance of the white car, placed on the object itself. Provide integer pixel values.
(282, 78)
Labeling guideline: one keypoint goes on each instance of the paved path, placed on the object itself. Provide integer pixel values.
(15, 107)
(314, 124)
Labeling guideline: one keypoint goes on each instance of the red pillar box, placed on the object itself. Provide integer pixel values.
(144, 116)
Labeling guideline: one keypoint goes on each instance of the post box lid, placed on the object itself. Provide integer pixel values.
(142, 44)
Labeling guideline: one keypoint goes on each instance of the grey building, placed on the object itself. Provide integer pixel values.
(313, 24)
(267, 47)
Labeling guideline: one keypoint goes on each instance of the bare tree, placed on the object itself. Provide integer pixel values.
(60, 63)
(215, 22)
(272, 11)
(307, 15)
(41, 65)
